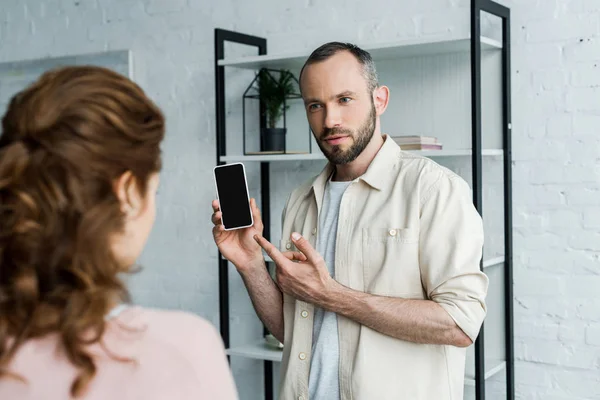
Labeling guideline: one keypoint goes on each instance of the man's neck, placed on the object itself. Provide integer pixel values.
(359, 166)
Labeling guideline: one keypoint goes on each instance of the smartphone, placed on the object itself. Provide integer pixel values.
(233, 196)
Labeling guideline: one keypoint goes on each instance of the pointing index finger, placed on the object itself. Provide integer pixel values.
(271, 250)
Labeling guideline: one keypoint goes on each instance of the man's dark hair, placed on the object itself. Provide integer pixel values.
(364, 58)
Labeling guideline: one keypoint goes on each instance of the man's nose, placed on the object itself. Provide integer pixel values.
(333, 118)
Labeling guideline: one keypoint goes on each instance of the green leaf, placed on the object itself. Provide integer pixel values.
(273, 92)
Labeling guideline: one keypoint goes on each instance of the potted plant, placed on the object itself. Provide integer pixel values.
(273, 94)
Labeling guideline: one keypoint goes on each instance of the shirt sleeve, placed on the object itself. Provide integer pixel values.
(451, 247)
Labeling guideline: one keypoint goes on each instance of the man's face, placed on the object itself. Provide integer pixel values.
(339, 107)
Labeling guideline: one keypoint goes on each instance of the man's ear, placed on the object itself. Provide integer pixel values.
(128, 193)
(381, 98)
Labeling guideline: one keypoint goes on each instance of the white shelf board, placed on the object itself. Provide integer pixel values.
(261, 351)
(258, 351)
(274, 157)
(486, 263)
(493, 261)
(379, 52)
(320, 156)
(492, 367)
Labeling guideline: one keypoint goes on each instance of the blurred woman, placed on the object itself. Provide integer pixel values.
(79, 169)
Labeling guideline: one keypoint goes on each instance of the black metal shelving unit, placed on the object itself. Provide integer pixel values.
(222, 36)
(493, 8)
(477, 7)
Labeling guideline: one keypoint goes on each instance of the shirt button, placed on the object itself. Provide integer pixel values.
(304, 314)
(288, 245)
(302, 356)
(392, 232)
(300, 397)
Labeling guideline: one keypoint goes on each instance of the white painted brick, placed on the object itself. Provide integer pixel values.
(581, 6)
(538, 374)
(585, 262)
(591, 217)
(559, 126)
(587, 195)
(384, 30)
(43, 10)
(544, 195)
(532, 222)
(545, 284)
(551, 352)
(549, 79)
(582, 50)
(521, 173)
(164, 6)
(582, 149)
(533, 241)
(566, 27)
(583, 98)
(586, 286)
(548, 195)
(452, 21)
(552, 173)
(584, 173)
(535, 130)
(586, 124)
(590, 310)
(219, 12)
(562, 219)
(561, 261)
(531, 57)
(577, 383)
(525, 11)
(174, 21)
(540, 150)
(552, 306)
(555, 396)
(585, 240)
(586, 75)
(122, 10)
(592, 335)
(544, 329)
(572, 332)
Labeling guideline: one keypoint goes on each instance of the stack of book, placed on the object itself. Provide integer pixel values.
(415, 142)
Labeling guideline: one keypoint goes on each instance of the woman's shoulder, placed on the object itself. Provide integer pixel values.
(171, 326)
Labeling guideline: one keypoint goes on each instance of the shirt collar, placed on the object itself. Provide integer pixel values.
(376, 173)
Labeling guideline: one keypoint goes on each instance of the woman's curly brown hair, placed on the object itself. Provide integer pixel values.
(65, 140)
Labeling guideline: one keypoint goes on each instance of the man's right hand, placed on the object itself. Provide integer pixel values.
(239, 246)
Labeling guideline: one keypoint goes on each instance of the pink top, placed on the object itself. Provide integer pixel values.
(177, 356)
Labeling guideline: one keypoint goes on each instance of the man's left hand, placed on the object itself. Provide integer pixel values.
(307, 280)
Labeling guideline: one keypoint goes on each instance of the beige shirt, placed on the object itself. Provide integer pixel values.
(407, 228)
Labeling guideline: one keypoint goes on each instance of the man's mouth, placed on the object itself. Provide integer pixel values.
(336, 139)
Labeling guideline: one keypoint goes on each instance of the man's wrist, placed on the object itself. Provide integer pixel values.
(334, 296)
(251, 267)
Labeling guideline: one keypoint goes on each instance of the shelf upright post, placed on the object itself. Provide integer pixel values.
(222, 36)
(498, 10)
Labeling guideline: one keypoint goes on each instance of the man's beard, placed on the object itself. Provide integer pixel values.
(361, 139)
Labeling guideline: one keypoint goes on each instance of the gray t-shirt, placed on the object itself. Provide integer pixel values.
(323, 380)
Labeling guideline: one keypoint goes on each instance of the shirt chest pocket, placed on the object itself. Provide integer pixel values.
(391, 262)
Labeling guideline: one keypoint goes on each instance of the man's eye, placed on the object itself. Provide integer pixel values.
(313, 107)
(345, 99)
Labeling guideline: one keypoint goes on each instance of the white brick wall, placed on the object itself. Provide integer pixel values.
(556, 119)
(557, 265)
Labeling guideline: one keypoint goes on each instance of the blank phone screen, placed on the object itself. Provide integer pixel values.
(233, 196)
